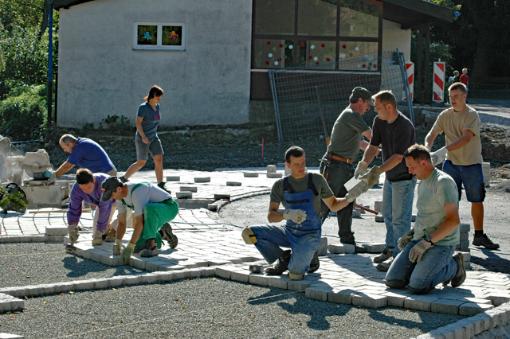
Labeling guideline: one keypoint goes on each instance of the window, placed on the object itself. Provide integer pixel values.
(317, 34)
(159, 36)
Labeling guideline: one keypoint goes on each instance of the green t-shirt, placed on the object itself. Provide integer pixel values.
(346, 134)
(301, 185)
(433, 193)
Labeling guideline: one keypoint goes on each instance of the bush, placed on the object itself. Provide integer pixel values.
(23, 115)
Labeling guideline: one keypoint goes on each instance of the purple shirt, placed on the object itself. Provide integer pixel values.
(78, 196)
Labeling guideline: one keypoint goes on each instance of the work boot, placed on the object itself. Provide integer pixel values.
(349, 239)
(296, 276)
(167, 234)
(460, 276)
(385, 265)
(97, 238)
(281, 265)
(314, 264)
(483, 240)
(385, 255)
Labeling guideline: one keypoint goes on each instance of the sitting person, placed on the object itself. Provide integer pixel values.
(426, 258)
(153, 208)
(301, 194)
(88, 189)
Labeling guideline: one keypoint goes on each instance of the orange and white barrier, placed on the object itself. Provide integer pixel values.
(410, 79)
(438, 82)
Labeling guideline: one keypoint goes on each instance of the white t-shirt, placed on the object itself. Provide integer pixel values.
(143, 194)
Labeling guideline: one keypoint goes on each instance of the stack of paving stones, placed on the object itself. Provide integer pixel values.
(208, 248)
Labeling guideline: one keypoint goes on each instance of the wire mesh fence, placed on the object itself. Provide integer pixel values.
(307, 103)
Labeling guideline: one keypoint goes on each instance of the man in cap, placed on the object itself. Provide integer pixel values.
(153, 208)
(336, 165)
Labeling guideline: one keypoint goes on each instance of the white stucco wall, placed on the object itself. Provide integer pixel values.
(395, 37)
(101, 74)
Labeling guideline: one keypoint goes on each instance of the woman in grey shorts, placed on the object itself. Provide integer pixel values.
(146, 137)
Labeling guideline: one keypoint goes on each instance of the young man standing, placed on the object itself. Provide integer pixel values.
(461, 126)
(301, 194)
(426, 257)
(395, 132)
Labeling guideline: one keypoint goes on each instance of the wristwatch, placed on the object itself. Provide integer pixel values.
(427, 238)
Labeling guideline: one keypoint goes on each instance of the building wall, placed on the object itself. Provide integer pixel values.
(101, 74)
(395, 37)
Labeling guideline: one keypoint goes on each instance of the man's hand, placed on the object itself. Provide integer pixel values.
(50, 175)
(361, 169)
(419, 250)
(372, 177)
(405, 239)
(145, 140)
(297, 216)
(127, 253)
(73, 234)
(438, 156)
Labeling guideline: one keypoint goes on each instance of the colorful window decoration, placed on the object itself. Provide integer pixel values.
(159, 36)
(274, 53)
(358, 56)
(318, 54)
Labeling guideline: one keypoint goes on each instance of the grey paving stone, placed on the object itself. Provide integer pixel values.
(274, 175)
(10, 336)
(202, 179)
(223, 272)
(470, 308)
(318, 292)
(258, 279)
(369, 301)
(341, 249)
(271, 169)
(499, 297)
(277, 282)
(56, 230)
(419, 302)
(221, 196)
(234, 183)
(250, 174)
(240, 275)
(188, 189)
(184, 195)
(323, 247)
(173, 178)
(448, 306)
(298, 285)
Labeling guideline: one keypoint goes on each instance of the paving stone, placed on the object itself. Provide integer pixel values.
(318, 292)
(342, 249)
(250, 174)
(188, 189)
(202, 179)
(223, 272)
(323, 247)
(173, 178)
(379, 218)
(183, 195)
(274, 175)
(499, 297)
(9, 303)
(340, 296)
(447, 306)
(470, 308)
(56, 231)
(298, 285)
(240, 275)
(271, 169)
(258, 279)
(277, 282)
(369, 301)
(10, 336)
(221, 196)
(234, 183)
(419, 302)
(373, 247)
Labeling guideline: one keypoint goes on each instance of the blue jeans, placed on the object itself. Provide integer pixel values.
(436, 266)
(397, 210)
(471, 177)
(302, 243)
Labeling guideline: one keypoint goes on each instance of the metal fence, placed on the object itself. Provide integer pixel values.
(307, 103)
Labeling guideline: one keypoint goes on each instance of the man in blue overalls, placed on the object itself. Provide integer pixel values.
(301, 194)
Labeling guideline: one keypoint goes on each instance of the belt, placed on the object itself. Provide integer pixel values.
(334, 157)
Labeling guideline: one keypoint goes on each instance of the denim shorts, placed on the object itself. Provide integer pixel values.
(143, 150)
(470, 177)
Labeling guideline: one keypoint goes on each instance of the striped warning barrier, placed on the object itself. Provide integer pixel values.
(438, 82)
(410, 78)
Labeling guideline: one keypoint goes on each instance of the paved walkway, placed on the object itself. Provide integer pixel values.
(205, 242)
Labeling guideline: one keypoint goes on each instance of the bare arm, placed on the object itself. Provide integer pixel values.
(138, 226)
(335, 204)
(391, 162)
(121, 226)
(274, 215)
(370, 153)
(430, 138)
(466, 137)
(451, 221)
(139, 129)
(367, 134)
(64, 168)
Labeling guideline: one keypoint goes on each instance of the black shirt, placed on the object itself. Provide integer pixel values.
(395, 138)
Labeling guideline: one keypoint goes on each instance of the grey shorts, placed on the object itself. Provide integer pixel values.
(143, 150)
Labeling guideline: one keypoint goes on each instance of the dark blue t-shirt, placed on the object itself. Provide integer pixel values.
(150, 121)
(89, 154)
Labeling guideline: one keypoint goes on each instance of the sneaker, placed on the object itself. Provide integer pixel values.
(281, 265)
(483, 240)
(162, 186)
(385, 265)
(314, 264)
(460, 276)
(167, 234)
(385, 255)
(296, 276)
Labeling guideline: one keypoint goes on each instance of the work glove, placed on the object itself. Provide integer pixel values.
(127, 253)
(372, 176)
(73, 234)
(50, 175)
(117, 248)
(438, 156)
(405, 239)
(297, 216)
(419, 250)
(361, 168)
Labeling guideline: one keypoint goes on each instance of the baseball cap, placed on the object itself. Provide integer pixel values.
(109, 186)
(361, 93)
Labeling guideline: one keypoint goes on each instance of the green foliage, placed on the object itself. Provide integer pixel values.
(12, 199)
(116, 122)
(22, 116)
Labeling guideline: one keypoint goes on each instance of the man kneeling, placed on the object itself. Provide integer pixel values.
(301, 194)
(153, 209)
(426, 257)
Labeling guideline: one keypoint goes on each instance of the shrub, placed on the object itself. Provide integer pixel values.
(23, 115)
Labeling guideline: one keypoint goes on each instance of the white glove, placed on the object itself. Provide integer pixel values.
(361, 169)
(297, 216)
(438, 156)
(73, 233)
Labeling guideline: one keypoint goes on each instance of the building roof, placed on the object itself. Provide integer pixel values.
(409, 13)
